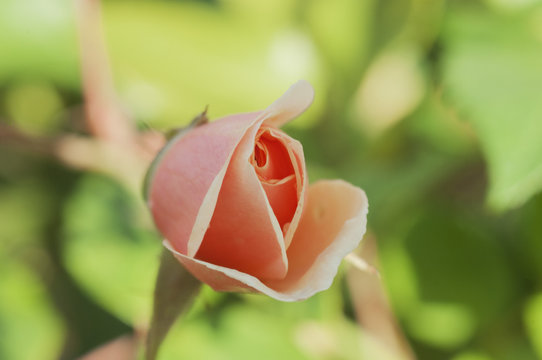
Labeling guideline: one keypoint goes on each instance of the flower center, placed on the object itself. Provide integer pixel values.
(271, 158)
(260, 155)
(274, 162)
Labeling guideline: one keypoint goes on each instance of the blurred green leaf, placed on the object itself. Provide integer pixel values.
(533, 322)
(244, 332)
(492, 74)
(108, 251)
(22, 210)
(472, 355)
(530, 244)
(171, 59)
(457, 265)
(457, 320)
(38, 40)
(342, 31)
(34, 108)
(29, 324)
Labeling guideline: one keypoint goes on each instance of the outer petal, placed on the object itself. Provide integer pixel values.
(183, 216)
(184, 189)
(244, 233)
(331, 226)
(290, 105)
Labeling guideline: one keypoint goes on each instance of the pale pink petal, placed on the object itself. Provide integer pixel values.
(290, 105)
(184, 189)
(331, 226)
(244, 234)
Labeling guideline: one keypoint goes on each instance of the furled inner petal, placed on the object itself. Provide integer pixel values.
(271, 159)
(276, 167)
(290, 105)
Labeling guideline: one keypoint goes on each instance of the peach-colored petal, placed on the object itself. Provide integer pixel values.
(331, 226)
(280, 165)
(290, 105)
(282, 196)
(271, 158)
(295, 150)
(244, 234)
(184, 189)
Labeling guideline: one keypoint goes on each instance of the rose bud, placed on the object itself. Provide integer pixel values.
(232, 200)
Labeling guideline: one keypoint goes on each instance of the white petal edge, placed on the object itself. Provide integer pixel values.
(291, 104)
(207, 207)
(320, 275)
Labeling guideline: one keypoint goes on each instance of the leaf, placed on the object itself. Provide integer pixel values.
(492, 74)
(533, 321)
(44, 46)
(29, 323)
(463, 280)
(174, 292)
(101, 217)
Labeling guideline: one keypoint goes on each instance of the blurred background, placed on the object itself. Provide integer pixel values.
(434, 107)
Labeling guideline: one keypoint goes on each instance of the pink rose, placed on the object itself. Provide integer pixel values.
(232, 200)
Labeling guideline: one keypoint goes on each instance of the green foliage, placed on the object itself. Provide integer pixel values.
(433, 107)
(38, 41)
(29, 324)
(533, 320)
(492, 71)
(109, 255)
(215, 56)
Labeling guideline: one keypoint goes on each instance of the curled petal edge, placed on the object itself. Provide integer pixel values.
(287, 107)
(290, 105)
(317, 278)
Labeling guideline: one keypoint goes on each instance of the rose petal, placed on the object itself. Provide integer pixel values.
(274, 161)
(331, 226)
(184, 191)
(290, 105)
(282, 196)
(295, 150)
(244, 234)
(282, 173)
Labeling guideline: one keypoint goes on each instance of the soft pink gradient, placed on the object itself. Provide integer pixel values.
(231, 199)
